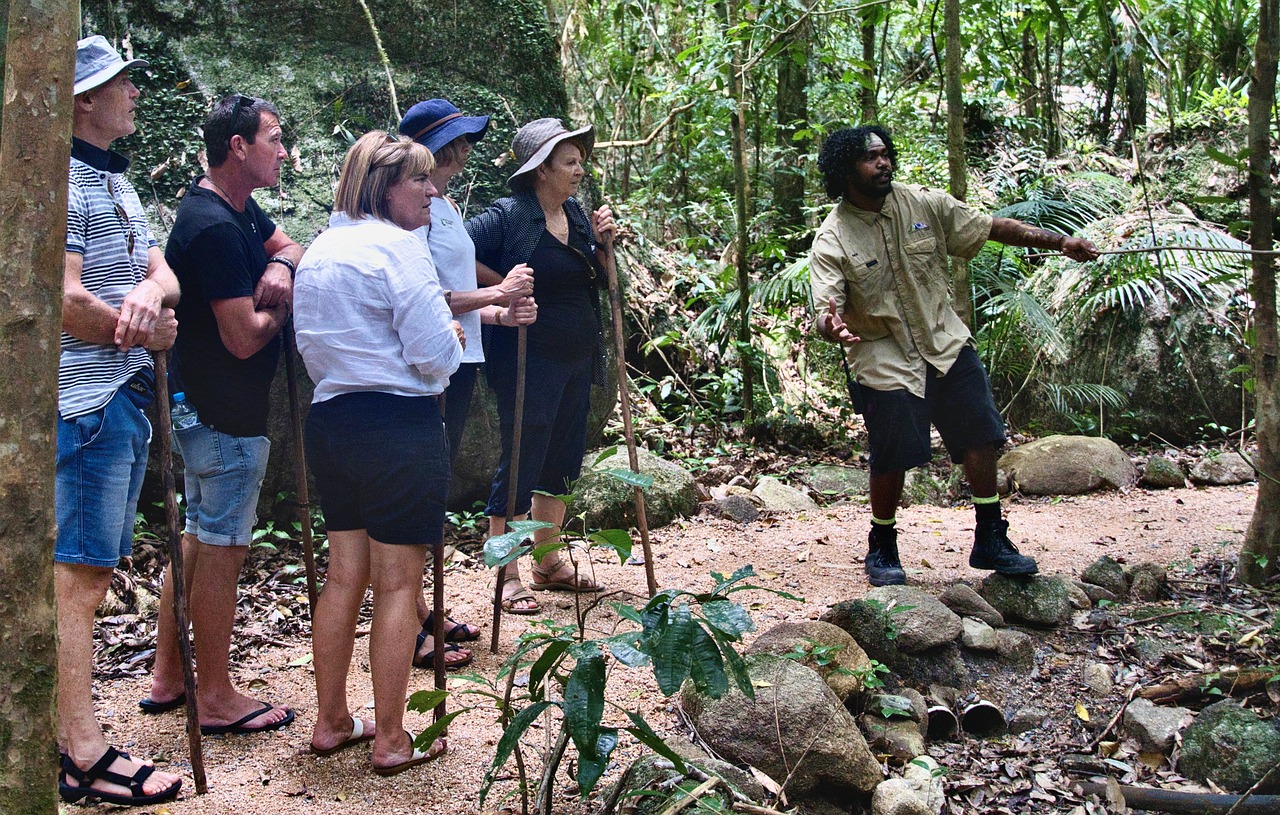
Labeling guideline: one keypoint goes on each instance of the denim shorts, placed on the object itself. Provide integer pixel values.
(223, 478)
(381, 464)
(958, 403)
(102, 458)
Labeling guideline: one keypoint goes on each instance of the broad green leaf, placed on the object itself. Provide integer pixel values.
(627, 612)
(1222, 158)
(426, 700)
(642, 731)
(733, 661)
(616, 539)
(723, 582)
(605, 453)
(543, 549)
(510, 737)
(672, 654)
(500, 550)
(543, 665)
(423, 740)
(707, 666)
(591, 768)
(729, 617)
(623, 648)
(630, 477)
(584, 704)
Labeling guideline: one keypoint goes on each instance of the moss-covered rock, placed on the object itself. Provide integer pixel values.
(610, 504)
(1230, 746)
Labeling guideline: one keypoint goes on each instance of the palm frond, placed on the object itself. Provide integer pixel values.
(1068, 398)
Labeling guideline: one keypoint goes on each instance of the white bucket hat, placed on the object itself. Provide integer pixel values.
(97, 63)
(535, 141)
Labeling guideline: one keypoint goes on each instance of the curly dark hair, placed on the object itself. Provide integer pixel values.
(841, 151)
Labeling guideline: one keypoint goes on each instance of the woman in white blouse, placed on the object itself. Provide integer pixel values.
(379, 343)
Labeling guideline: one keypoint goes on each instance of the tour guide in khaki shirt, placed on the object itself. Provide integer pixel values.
(879, 266)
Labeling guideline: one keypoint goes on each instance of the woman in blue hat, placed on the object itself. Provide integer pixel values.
(441, 128)
(542, 226)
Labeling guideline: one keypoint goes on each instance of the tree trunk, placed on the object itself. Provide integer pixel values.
(739, 127)
(961, 300)
(1261, 552)
(1030, 91)
(793, 115)
(1052, 135)
(35, 143)
(867, 96)
(1135, 90)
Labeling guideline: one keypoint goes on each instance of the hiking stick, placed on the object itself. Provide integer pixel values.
(176, 574)
(300, 466)
(620, 347)
(437, 589)
(513, 474)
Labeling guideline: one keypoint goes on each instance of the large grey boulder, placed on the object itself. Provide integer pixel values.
(1222, 469)
(1037, 600)
(795, 726)
(610, 504)
(919, 619)
(779, 497)
(1232, 747)
(1160, 473)
(836, 480)
(876, 630)
(964, 601)
(1068, 465)
(1154, 727)
(846, 664)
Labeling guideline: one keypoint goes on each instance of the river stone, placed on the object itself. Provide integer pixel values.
(1161, 473)
(921, 620)
(1108, 574)
(1027, 718)
(964, 601)
(1068, 465)
(836, 480)
(1147, 581)
(1016, 648)
(900, 738)
(795, 725)
(1222, 469)
(1099, 678)
(847, 666)
(1037, 599)
(1232, 747)
(869, 625)
(978, 635)
(1076, 595)
(650, 784)
(610, 504)
(924, 776)
(737, 508)
(1097, 593)
(1153, 726)
(779, 497)
(896, 797)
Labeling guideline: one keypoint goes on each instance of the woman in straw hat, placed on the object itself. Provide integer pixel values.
(438, 125)
(543, 225)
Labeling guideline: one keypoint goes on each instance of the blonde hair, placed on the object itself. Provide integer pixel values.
(451, 153)
(374, 164)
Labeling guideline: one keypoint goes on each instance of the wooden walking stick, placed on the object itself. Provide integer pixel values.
(437, 591)
(300, 466)
(176, 571)
(513, 473)
(620, 346)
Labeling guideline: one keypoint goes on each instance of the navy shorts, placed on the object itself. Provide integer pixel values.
(381, 465)
(958, 403)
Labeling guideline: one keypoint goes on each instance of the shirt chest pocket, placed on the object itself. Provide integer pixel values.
(920, 256)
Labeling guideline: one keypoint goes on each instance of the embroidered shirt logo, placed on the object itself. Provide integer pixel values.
(917, 226)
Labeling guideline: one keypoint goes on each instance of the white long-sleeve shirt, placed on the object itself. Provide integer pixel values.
(370, 313)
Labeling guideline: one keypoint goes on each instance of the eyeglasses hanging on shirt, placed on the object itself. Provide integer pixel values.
(126, 224)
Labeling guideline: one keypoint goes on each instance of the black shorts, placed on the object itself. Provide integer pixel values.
(958, 403)
(381, 464)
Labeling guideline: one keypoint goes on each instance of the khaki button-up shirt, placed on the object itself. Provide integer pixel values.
(888, 274)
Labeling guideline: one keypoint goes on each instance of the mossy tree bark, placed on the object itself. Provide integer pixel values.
(1260, 556)
(35, 144)
(956, 163)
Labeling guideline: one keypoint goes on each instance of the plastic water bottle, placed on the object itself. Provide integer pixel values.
(183, 414)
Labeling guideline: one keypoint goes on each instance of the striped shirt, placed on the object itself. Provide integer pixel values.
(104, 216)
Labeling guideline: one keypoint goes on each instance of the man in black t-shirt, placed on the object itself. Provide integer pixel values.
(236, 269)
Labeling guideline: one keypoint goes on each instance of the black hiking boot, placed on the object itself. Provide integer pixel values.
(993, 550)
(883, 566)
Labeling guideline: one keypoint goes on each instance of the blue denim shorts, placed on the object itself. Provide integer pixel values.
(223, 478)
(102, 458)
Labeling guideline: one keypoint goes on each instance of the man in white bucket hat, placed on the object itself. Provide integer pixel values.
(117, 305)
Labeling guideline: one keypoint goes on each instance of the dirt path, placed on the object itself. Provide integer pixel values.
(817, 556)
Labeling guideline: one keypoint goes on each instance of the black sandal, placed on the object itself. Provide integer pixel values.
(454, 631)
(101, 772)
(427, 661)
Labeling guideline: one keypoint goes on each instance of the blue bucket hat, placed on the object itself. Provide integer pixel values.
(436, 122)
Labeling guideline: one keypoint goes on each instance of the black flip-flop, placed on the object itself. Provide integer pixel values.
(148, 705)
(427, 661)
(450, 631)
(238, 728)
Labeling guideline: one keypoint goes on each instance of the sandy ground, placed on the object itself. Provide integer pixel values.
(817, 555)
